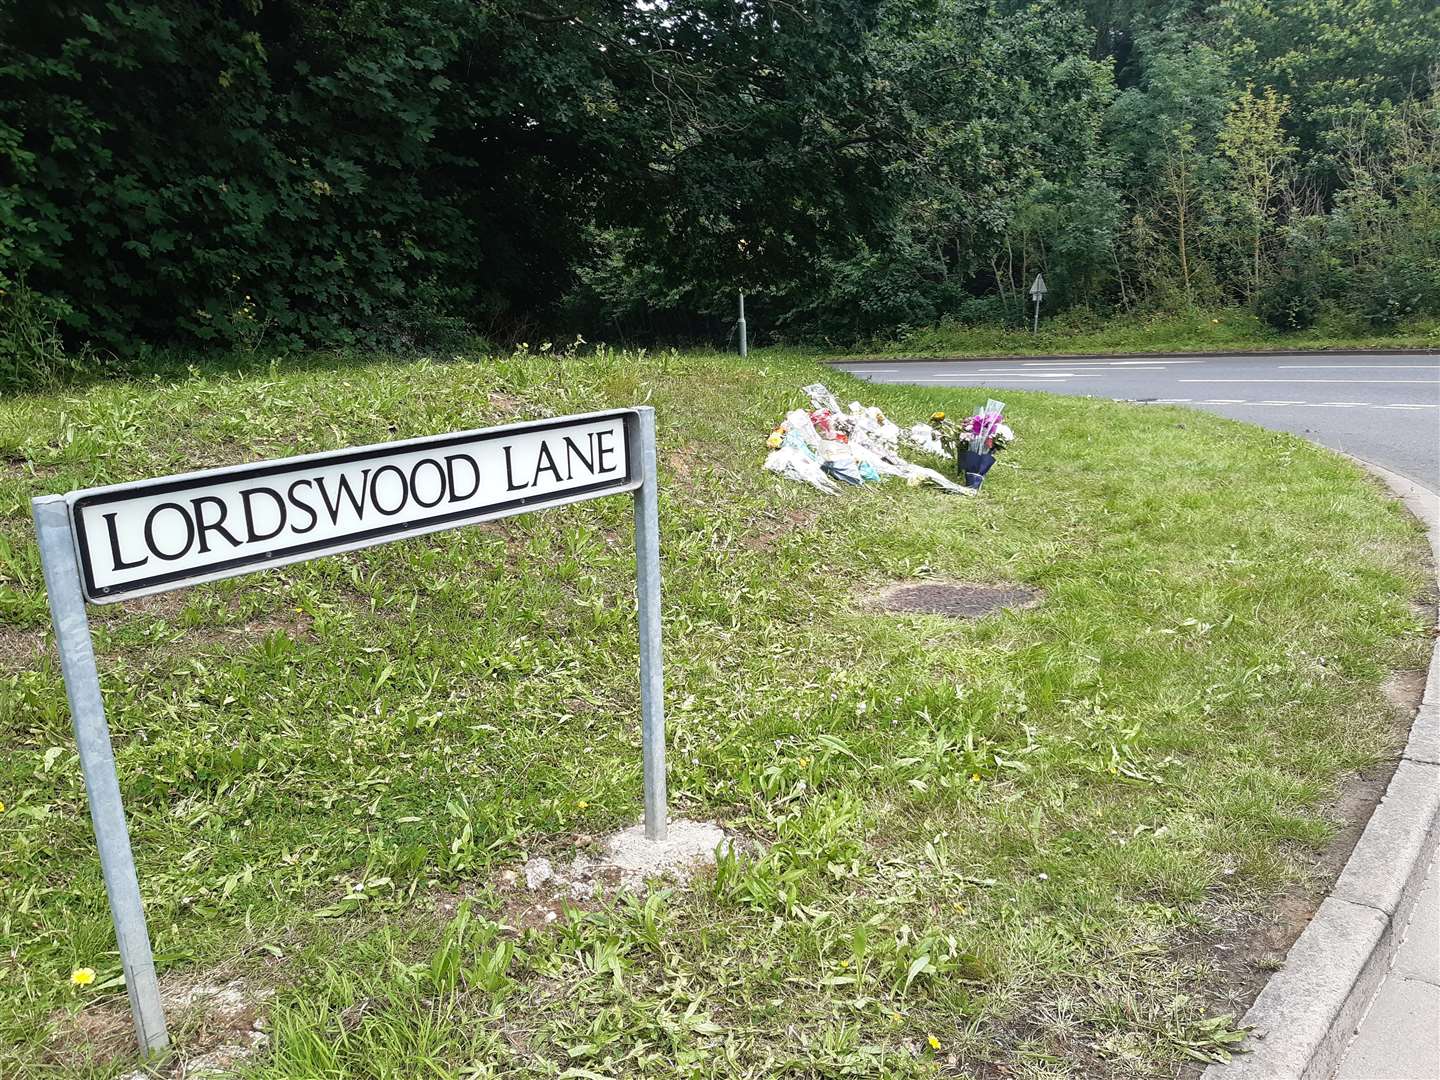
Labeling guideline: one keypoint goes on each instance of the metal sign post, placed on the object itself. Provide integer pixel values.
(97, 761)
(106, 544)
(647, 591)
(744, 345)
(1037, 293)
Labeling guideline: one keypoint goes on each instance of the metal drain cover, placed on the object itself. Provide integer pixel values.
(957, 601)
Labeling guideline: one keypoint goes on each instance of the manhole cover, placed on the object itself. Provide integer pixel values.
(957, 601)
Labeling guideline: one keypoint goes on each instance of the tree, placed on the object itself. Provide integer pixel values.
(1178, 197)
(1329, 58)
(1259, 153)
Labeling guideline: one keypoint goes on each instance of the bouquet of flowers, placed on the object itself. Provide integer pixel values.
(976, 440)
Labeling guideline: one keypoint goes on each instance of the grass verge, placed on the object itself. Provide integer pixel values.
(1198, 331)
(992, 848)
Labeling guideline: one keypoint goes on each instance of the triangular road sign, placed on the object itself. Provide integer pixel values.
(1038, 289)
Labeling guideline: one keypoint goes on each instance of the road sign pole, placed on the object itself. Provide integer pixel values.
(1037, 293)
(647, 589)
(97, 761)
(744, 345)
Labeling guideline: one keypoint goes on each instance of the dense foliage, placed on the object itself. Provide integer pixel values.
(243, 172)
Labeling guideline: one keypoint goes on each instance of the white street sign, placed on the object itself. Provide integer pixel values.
(105, 544)
(1038, 289)
(162, 534)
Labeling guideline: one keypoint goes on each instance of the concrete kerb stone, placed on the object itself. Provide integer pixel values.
(1398, 1029)
(1305, 1016)
(1400, 835)
(1424, 744)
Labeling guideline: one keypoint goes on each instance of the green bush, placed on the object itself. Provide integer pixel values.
(1290, 302)
(33, 355)
(1395, 291)
(989, 311)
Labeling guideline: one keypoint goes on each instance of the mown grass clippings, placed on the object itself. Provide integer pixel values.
(1006, 834)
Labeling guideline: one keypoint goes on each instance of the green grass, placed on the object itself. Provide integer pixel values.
(1006, 835)
(1078, 331)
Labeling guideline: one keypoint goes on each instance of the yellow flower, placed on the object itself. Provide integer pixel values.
(896, 1017)
(933, 1041)
(2, 807)
(82, 976)
(974, 778)
(582, 804)
(804, 763)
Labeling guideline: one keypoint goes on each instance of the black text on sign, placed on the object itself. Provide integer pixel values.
(159, 534)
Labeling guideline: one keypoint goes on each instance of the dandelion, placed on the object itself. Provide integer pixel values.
(804, 763)
(82, 976)
(974, 778)
(933, 1041)
(2, 806)
(582, 804)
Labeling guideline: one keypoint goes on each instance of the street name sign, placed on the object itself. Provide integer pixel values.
(162, 534)
(107, 544)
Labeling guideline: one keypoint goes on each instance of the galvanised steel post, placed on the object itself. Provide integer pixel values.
(744, 345)
(97, 761)
(647, 590)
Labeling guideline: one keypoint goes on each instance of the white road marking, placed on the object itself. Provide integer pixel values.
(1013, 374)
(1101, 363)
(1368, 382)
(1223, 401)
(1422, 406)
(1171, 400)
(962, 381)
(1360, 367)
(1281, 403)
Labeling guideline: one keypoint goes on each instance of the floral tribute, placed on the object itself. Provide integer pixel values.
(830, 448)
(976, 440)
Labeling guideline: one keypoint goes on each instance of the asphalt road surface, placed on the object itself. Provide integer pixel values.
(1384, 408)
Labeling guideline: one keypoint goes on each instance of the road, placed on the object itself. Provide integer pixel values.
(1384, 408)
